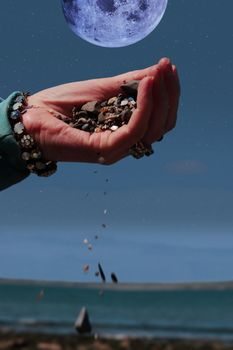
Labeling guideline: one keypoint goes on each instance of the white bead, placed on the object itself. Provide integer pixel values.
(25, 156)
(19, 128)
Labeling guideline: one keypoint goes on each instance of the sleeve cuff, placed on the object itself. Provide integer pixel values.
(13, 168)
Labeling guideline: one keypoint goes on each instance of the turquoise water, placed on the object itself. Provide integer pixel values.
(196, 314)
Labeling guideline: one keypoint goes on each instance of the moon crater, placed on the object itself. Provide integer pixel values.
(106, 5)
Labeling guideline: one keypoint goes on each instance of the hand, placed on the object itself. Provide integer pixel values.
(156, 113)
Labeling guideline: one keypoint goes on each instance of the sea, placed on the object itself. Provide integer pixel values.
(118, 312)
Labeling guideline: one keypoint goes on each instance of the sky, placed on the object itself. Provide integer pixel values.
(169, 217)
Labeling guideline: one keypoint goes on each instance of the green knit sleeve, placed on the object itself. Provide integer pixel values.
(12, 167)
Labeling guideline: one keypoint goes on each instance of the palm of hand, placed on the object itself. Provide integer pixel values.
(158, 89)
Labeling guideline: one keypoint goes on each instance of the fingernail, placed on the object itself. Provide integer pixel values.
(165, 60)
(151, 79)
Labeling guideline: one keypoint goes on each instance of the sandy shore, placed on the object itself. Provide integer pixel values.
(10, 340)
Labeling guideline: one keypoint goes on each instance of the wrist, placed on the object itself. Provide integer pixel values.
(23, 133)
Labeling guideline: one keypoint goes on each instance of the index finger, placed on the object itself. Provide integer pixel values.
(127, 135)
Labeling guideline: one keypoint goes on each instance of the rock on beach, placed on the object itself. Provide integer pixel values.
(82, 324)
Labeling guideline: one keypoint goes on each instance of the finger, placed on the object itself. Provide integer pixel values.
(134, 131)
(173, 87)
(160, 111)
(141, 73)
(79, 92)
(163, 62)
(136, 151)
(119, 155)
(116, 156)
(103, 88)
(111, 85)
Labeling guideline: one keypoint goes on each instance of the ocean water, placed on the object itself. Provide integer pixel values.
(171, 313)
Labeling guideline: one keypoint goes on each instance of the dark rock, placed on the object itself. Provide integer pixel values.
(83, 114)
(131, 88)
(91, 129)
(82, 324)
(85, 127)
(102, 117)
(102, 275)
(120, 97)
(125, 115)
(114, 278)
(82, 121)
(104, 103)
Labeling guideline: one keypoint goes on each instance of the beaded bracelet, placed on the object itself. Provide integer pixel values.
(30, 152)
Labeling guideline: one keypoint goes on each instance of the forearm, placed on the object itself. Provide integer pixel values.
(12, 168)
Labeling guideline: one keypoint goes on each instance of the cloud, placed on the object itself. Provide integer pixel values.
(188, 167)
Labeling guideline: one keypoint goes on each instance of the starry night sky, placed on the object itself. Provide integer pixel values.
(169, 217)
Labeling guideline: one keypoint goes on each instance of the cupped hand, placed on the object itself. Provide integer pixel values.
(155, 115)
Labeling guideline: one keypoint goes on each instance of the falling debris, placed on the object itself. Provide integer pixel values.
(86, 268)
(114, 278)
(97, 273)
(105, 193)
(95, 171)
(40, 295)
(89, 246)
(104, 225)
(101, 293)
(102, 275)
(105, 211)
(85, 241)
(96, 237)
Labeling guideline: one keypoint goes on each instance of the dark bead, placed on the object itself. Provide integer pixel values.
(149, 152)
(15, 115)
(86, 127)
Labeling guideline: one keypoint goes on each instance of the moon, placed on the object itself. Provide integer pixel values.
(113, 23)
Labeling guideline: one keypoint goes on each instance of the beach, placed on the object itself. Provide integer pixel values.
(12, 340)
(41, 315)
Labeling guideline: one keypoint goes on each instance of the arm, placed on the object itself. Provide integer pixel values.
(155, 115)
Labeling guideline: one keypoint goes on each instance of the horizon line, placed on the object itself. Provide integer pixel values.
(132, 286)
